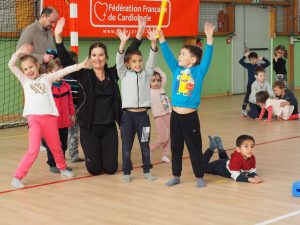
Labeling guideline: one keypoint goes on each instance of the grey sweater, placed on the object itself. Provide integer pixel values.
(39, 38)
(256, 87)
(135, 87)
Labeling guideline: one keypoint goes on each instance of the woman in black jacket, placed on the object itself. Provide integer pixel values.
(99, 104)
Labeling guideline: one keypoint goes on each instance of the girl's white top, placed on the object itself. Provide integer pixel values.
(37, 92)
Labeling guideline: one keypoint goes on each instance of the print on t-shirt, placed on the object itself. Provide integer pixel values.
(185, 83)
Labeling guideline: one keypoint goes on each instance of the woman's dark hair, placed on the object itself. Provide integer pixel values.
(195, 51)
(99, 45)
(242, 138)
(261, 96)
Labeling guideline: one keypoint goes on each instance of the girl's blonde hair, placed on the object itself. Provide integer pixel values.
(29, 57)
(53, 64)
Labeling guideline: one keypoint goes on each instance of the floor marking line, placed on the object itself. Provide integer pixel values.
(294, 213)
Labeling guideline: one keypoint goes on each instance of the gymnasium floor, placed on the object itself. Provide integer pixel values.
(50, 199)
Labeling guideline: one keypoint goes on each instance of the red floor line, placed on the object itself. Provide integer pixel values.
(136, 167)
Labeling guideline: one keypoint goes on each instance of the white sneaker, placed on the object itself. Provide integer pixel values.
(244, 113)
(42, 148)
(17, 183)
(165, 159)
(66, 173)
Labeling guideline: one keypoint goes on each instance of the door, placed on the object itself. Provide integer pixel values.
(251, 33)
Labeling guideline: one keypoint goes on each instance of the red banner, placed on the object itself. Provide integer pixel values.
(101, 18)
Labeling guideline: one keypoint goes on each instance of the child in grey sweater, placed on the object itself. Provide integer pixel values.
(135, 92)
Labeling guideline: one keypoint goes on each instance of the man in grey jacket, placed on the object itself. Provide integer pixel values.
(39, 35)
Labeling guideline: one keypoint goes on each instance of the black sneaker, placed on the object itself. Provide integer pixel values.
(54, 169)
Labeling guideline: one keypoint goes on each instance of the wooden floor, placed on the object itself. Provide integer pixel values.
(105, 199)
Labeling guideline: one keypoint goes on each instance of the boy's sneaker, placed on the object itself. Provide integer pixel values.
(127, 178)
(17, 183)
(201, 183)
(244, 113)
(218, 141)
(149, 176)
(66, 173)
(165, 159)
(173, 181)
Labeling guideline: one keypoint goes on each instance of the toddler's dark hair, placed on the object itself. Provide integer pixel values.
(258, 69)
(131, 52)
(279, 84)
(252, 55)
(261, 96)
(195, 51)
(155, 73)
(240, 140)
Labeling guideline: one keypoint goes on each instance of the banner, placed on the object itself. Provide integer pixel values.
(101, 18)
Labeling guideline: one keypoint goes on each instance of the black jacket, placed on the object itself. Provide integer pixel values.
(86, 81)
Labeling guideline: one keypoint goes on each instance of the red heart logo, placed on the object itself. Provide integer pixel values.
(100, 10)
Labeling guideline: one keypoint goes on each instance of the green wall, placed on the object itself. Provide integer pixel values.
(11, 93)
(297, 64)
(217, 81)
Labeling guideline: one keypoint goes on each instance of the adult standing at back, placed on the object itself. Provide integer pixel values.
(39, 35)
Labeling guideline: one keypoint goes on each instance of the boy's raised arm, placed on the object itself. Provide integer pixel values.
(121, 67)
(167, 53)
(149, 67)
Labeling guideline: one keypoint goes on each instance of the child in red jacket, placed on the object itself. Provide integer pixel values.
(62, 95)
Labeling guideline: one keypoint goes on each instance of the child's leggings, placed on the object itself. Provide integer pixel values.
(41, 126)
(162, 125)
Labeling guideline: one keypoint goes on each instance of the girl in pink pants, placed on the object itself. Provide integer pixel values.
(39, 109)
(161, 110)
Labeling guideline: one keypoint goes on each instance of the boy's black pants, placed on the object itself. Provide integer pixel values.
(217, 167)
(186, 128)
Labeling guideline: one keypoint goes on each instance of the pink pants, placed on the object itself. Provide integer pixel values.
(41, 126)
(162, 124)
